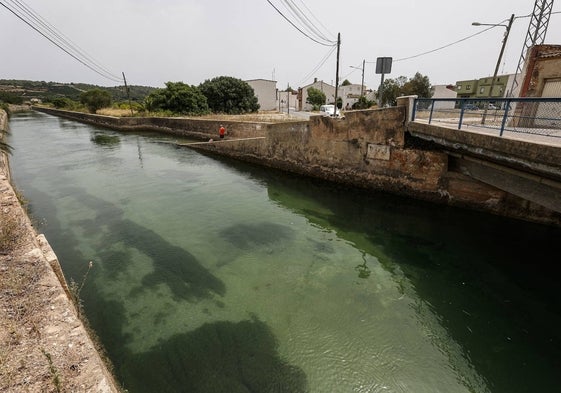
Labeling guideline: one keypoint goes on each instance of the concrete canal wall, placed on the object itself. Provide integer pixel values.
(370, 149)
(203, 129)
(44, 345)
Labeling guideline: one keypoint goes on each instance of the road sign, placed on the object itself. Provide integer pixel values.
(384, 65)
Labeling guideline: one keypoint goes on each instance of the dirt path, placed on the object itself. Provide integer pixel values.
(44, 346)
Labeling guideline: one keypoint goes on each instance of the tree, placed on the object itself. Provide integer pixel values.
(229, 95)
(316, 97)
(418, 85)
(363, 103)
(95, 99)
(346, 82)
(63, 102)
(178, 97)
(10, 98)
(391, 89)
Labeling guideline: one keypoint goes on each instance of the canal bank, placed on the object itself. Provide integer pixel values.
(368, 149)
(44, 346)
(209, 272)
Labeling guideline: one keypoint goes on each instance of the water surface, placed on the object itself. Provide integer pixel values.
(211, 275)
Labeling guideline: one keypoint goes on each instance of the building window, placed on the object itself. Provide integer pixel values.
(468, 87)
(459, 87)
(482, 90)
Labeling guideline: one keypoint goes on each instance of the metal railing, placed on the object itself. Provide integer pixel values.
(534, 116)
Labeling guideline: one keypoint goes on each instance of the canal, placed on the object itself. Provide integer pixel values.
(211, 275)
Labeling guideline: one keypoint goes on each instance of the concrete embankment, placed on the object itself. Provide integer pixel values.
(202, 129)
(370, 149)
(44, 346)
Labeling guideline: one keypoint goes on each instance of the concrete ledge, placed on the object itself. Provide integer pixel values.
(51, 338)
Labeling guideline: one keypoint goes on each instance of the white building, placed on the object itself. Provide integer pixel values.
(350, 94)
(444, 91)
(266, 93)
(326, 88)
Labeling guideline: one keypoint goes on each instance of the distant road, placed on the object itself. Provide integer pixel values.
(302, 114)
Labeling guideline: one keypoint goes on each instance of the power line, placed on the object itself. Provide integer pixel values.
(67, 42)
(305, 21)
(322, 62)
(445, 46)
(460, 40)
(317, 20)
(329, 43)
(41, 26)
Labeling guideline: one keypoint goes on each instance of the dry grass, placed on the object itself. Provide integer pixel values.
(115, 112)
(265, 116)
(12, 231)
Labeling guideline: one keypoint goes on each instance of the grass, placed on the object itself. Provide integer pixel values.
(12, 230)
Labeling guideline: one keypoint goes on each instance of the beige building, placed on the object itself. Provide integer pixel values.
(444, 91)
(542, 72)
(327, 89)
(266, 93)
(350, 94)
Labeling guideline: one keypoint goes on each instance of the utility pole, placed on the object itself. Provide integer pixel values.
(337, 72)
(505, 38)
(128, 93)
(362, 83)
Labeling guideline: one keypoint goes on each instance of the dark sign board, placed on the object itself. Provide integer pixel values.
(383, 65)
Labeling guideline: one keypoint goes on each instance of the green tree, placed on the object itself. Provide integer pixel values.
(391, 89)
(229, 95)
(95, 99)
(418, 85)
(63, 102)
(178, 97)
(316, 97)
(346, 82)
(363, 103)
(10, 98)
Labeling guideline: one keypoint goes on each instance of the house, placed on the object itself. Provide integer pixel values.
(266, 93)
(542, 72)
(444, 91)
(327, 89)
(287, 98)
(350, 94)
(541, 77)
(481, 88)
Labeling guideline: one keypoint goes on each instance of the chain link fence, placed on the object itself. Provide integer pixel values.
(532, 116)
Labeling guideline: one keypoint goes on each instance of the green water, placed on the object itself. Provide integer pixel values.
(211, 275)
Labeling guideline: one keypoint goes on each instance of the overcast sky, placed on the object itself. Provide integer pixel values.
(194, 40)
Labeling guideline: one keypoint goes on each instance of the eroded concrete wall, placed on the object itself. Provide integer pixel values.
(51, 326)
(365, 149)
(197, 128)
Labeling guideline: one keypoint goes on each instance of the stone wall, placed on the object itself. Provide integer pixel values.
(366, 149)
(45, 337)
(203, 129)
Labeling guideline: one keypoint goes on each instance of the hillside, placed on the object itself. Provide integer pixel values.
(48, 90)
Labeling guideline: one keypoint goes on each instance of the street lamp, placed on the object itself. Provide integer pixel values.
(507, 32)
(362, 82)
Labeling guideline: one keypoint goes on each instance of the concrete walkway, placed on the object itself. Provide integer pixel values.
(553, 137)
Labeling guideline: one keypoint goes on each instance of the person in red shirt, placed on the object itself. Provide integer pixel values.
(222, 131)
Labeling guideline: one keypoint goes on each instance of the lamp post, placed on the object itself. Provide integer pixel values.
(362, 82)
(505, 38)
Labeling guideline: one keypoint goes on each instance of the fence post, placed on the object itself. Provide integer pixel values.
(461, 114)
(505, 116)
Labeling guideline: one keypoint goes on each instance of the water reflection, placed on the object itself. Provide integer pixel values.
(217, 357)
(214, 275)
(105, 140)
